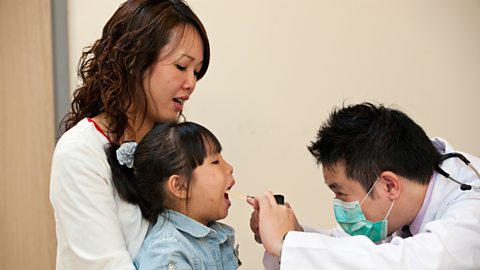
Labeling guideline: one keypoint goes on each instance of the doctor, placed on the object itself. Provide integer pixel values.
(394, 207)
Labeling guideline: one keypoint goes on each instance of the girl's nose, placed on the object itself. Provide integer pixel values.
(229, 168)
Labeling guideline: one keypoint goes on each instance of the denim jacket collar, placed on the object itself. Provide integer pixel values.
(188, 225)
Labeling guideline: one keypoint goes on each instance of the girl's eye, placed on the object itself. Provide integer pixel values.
(339, 194)
(182, 68)
(215, 162)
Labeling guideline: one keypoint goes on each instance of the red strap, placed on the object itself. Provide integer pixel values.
(98, 128)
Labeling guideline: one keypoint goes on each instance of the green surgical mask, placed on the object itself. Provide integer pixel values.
(350, 217)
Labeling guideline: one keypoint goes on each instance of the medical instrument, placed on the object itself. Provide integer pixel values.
(238, 195)
(467, 162)
(280, 199)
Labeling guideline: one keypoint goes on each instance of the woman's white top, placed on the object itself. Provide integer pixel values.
(95, 228)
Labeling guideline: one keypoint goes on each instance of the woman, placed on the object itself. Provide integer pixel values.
(141, 71)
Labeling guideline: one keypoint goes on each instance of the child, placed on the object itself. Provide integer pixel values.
(178, 177)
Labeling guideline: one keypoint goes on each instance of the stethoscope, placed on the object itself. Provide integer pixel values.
(467, 162)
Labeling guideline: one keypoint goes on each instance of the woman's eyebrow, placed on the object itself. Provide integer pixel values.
(189, 57)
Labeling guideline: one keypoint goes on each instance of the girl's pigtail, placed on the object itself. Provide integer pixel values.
(128, 187)
(123, 177)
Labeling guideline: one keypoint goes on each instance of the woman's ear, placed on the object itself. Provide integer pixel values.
(392, 184)
(177, 186)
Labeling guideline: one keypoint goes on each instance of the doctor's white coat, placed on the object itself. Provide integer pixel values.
(449, 236)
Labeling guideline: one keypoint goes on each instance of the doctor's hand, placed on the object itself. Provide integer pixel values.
(254, 219)
(274, 221)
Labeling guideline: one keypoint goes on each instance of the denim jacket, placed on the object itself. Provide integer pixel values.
(177, 242)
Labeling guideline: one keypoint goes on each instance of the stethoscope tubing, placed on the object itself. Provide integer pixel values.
(463, 186)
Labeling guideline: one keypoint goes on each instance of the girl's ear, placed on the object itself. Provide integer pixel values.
(177, 186)
(392, 184)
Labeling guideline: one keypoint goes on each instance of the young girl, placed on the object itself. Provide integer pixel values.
(180, 180)
(141, 71)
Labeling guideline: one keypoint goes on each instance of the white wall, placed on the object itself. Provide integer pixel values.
(278, 67)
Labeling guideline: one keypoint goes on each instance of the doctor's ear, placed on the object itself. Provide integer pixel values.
(391, 184)
(177, 186)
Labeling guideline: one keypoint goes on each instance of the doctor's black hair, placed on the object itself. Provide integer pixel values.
(369, 139)
(168, 149)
